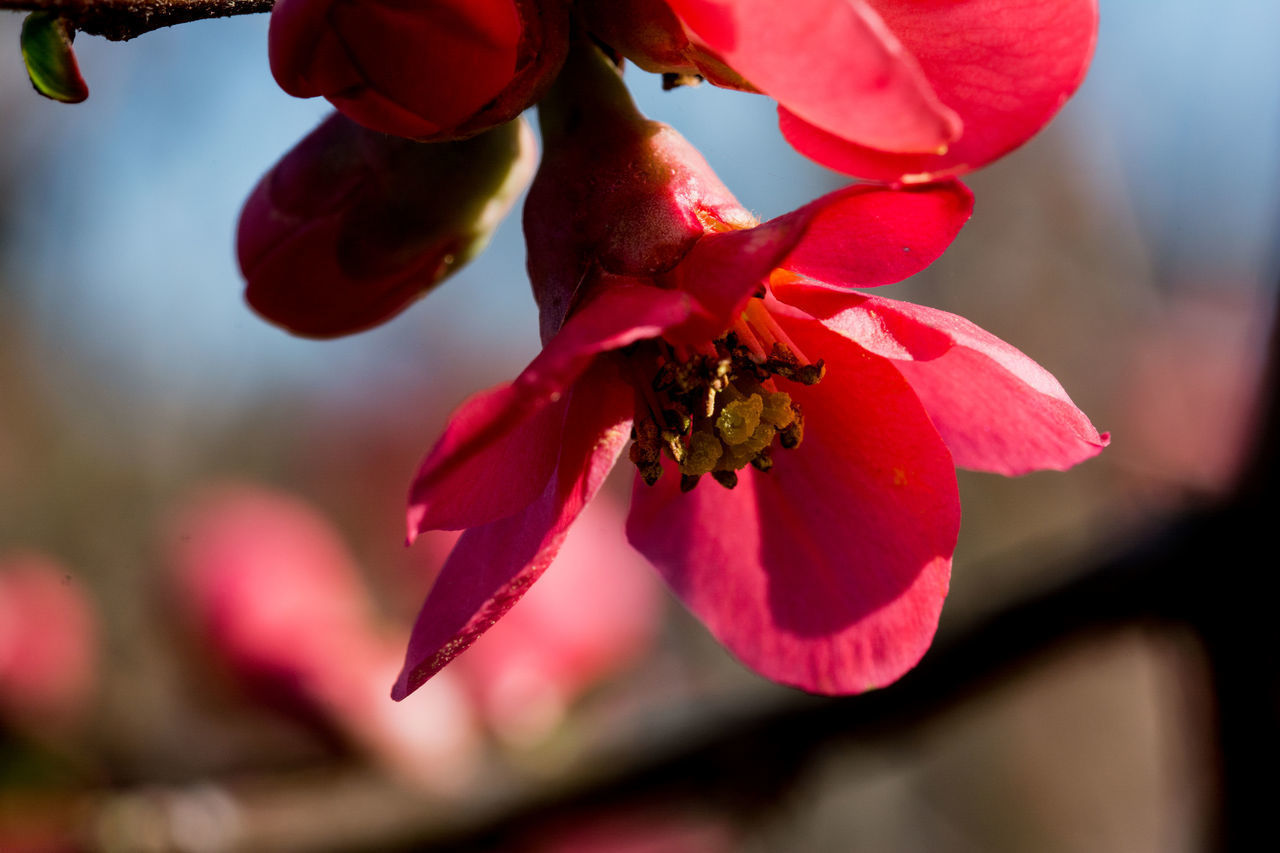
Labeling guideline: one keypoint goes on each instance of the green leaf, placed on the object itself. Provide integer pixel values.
(51, 63)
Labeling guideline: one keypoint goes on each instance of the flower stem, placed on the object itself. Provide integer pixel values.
(589, 89)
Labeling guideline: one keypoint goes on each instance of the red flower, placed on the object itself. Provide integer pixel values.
(909, 90)
(428, 69)
(352, 226)
(825, 561)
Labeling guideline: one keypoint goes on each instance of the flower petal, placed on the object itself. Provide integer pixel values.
(859, 236)
(1005, 66)
(828, 572)
(500, 447)
(494, 457)
(724, 269)
(864, 236)
(996, 409)
(834, 62)
(494, 564)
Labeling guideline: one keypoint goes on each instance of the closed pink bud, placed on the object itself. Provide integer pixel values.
(352, 226)
(427, 69)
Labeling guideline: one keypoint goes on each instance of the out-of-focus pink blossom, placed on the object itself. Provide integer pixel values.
(892, 90)
(352, 226)
(596, 613)
(672, 321)
(425, 69)
(48, 644)
(1189, 385)
(272, 586)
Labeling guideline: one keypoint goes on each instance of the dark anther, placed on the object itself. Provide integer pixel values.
(791, 436)
(688, 482)
(763, 461)
(728, 479)
(650, 472)
(811, 374)
(677, 417)
(666, 376)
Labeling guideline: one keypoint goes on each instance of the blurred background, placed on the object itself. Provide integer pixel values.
(233, 697)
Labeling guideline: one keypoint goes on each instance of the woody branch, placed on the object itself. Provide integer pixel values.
(120, 20)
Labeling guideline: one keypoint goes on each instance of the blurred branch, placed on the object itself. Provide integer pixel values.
(120, 20)
(740, 761)
(737, 760)
(1235, 619)
(742, 766)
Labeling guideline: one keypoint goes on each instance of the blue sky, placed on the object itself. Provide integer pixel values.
(126, 222)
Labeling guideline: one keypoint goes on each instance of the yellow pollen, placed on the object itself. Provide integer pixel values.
(739, 419)
(777, 409)
(704, 453)
(714, 408)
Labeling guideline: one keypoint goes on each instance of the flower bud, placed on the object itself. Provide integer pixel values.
(426, 69)
(351, 226)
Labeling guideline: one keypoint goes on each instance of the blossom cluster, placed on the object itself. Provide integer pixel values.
(794, 441)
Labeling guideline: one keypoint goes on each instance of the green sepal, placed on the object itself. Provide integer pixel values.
(51, 63)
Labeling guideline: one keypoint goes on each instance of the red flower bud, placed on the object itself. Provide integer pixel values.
(351, 226)
(428, 69)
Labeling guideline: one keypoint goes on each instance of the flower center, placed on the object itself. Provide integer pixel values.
(717, 409)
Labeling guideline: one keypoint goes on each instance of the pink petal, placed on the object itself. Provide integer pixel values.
(499, 449)
(493, 565)
(864, 236)
(724, 269)
(834, 62)
(1005, 66)
(996, 409)
(828, 572)
(501, 446)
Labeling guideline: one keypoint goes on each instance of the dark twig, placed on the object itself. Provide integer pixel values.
(120, 20)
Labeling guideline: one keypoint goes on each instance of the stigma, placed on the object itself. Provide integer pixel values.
(717, 408)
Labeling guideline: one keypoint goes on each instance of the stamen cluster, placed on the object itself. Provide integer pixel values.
(717, 409)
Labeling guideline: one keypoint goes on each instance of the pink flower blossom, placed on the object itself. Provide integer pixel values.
(883, 89)
(426, 69)
(272, 588)
(48, 644)
(832, 420)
